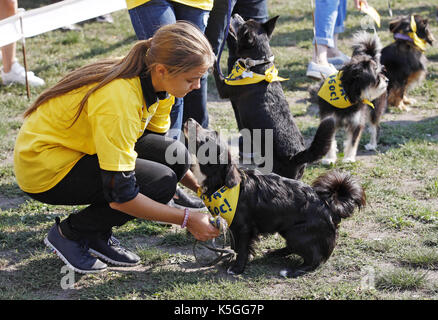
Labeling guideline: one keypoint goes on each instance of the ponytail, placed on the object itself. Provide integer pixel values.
(101, 72)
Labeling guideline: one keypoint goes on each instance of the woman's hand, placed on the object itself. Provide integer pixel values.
(357, 3)
(200, 227)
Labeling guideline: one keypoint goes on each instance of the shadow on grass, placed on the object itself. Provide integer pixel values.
(11, 196)
(393, 134)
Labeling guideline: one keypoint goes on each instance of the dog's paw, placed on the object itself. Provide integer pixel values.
(349, 160)
(234, 270)
(370, 147)
(289, 273)
(407, 100)
(403, 107)
(328, 161)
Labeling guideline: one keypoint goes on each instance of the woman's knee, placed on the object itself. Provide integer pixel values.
(157, 182)
(168, 185)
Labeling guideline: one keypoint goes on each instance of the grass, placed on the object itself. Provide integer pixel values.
(401, 279)
(386, 251)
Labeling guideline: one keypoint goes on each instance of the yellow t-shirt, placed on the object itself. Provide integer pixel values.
(201, 4)
(112, 120)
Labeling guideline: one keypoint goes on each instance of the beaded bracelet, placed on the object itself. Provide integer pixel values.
(186, 218)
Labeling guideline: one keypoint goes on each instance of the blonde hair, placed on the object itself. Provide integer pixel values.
(180, 47)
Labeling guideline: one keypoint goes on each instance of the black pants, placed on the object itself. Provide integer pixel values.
(83, 185)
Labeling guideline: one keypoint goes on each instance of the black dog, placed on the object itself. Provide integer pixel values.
(307, 217)
(262, 105)
(404, 59)
(355, 95)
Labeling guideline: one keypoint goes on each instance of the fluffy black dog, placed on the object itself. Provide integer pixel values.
(404, 59)
(306, 216)
(362, 85)
(263, 105)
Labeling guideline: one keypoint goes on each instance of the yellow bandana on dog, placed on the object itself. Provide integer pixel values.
(240, 76)
(223, 202)
(420, 43)
(333, 92)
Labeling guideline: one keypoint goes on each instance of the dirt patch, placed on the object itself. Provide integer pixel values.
(9, 203)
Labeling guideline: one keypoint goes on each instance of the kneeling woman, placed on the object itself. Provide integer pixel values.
(97, 138)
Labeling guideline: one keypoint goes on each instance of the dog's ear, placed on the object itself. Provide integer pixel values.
(235, 23)
(394, 25)
(232, 33)
(232, 177)
(269, 25)
(423, 29)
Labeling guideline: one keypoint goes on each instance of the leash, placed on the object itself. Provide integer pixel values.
(389, 8)
(209, 253)
(314, 28)
(227, 29)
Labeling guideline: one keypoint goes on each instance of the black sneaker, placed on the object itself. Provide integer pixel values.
(184, 200)
(109, 249)
(74, 254)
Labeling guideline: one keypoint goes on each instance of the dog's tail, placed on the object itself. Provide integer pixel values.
(320, 144)
(365, 43)
(341, 192)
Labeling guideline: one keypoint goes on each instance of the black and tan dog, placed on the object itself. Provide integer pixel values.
(259, 102)
(306, 216)
(404, 59)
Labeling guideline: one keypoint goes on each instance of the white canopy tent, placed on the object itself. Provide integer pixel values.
(54, 16)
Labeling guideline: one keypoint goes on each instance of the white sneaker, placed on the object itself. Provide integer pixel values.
(320, 71)
(17, 75)
(339, 60)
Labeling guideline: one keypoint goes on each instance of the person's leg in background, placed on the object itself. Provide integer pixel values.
(12, 71)
(8, 8)
(326, 12)
(195, 102)
(334, 55)
(217, 22)
(146, 19)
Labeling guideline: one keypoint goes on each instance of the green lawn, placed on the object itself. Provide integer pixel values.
(386, 251)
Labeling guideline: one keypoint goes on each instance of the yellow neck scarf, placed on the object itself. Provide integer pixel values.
(420, 43)
(240, 75)
(333, 92)
(223, 202)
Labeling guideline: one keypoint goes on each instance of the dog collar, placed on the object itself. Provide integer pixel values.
(248, 62)
(223, 202)
(241, 75)
(412, 36)
(333, 92)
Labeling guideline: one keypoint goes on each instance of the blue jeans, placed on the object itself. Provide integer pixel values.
(149, 17)
(215, 31)
(329, 19)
